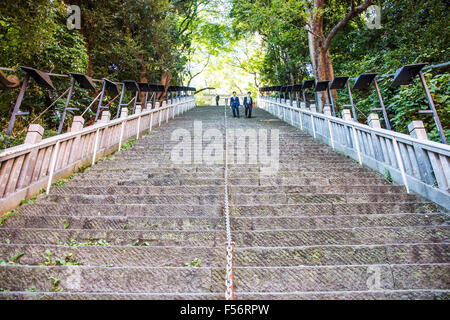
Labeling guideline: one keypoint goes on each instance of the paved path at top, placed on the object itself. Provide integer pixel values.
(142, 227)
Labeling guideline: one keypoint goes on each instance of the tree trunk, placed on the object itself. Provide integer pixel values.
(143, 78)
(320, 56)
(165, 81)
(90, 67)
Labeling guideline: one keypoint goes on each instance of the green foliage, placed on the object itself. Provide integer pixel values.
(139, 243)
(31, 289)
(7, 215)
(194, 264)
(13, 260)
(68, 260)
(387, 175)
(55, 284)
(74, 243)
(411, 32)
(127, 145)
(62, 182)
(119, 39)
(36, 35)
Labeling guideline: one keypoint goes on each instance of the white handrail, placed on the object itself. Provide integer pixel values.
(422, 166)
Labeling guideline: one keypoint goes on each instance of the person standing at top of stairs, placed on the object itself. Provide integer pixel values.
(248, 104)
(234, 103)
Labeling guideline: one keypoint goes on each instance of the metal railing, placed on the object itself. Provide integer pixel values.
(420, 165)
(27, 168)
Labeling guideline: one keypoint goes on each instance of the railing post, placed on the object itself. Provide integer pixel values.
(159, 114)
(439, 164)
(167, 112)
(97, 134)
(417, 130)
(312, 108)
(77, 125)
(300, 119)
(52, 167)
(374, 121)
(123, 116)
(138, 111)
(358, 150)
(327, 112)
(400, 163)
(151, 121)
(106, 116)
(34, 135)
(346, 115)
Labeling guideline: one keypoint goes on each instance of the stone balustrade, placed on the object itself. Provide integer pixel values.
(420, 165)
(36, 164)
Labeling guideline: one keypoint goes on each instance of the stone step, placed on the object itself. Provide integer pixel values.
(88, 181)
(236, 199)
(114, 279)
(321, 226)
(195, 223)
(341, 278)
(335, 209)
(341, 236)
(284, 157)
(249, 189)
(205, 279)
(233, 168)
(268, 210)
(138, 190)
(188, 199)
(151, 256)
(341, 255)
(292, 198)
(116, 256)
(275, 175)
(113, 237)
(259, 238)
(110, 296)
(187, 223)
(121, 210)
(330, 295)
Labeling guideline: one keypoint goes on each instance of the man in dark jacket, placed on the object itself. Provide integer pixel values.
(217, 100)
(234, 103)
(248, 104)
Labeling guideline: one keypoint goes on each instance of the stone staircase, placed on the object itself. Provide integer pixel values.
(136, 226)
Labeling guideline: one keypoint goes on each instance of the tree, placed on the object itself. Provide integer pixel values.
(319, 44)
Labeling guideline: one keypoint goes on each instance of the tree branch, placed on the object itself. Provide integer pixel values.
(207, 88)
(203, 69)
(354, 11)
